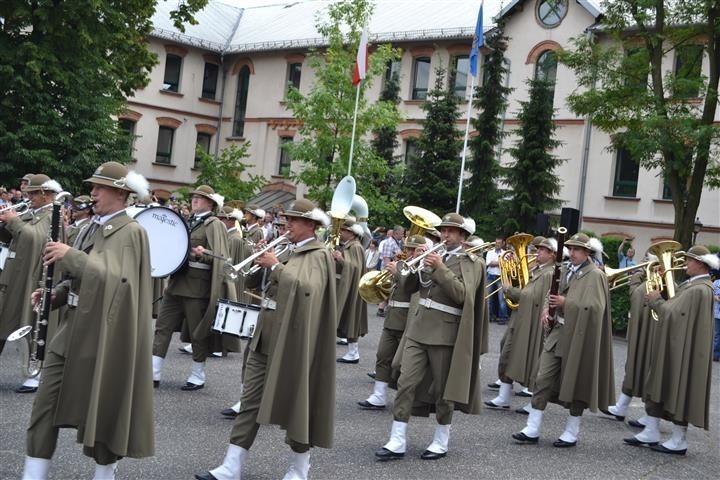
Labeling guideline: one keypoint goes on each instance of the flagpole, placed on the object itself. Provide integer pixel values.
(465, 142)
(352, 138)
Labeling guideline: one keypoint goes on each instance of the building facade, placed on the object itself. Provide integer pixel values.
(224, 81)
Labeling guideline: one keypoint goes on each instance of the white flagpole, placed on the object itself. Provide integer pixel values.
(465, 142)
(352, 138)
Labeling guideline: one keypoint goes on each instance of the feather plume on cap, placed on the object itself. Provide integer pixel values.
(566, 252)
(553, 243)
(218, 199)
(137, 183)
(597, 248)
(52, 185)
(320, 216)
(711, 260)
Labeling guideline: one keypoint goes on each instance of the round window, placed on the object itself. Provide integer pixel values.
(551, 12)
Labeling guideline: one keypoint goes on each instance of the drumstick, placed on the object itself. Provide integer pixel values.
(256, 297)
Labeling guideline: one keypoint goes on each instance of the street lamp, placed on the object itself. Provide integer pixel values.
(697, 226)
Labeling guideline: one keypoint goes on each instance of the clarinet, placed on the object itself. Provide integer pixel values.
(555, 285)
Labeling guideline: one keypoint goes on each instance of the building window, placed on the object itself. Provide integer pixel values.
(666, 193)
(210, 77)
(626, 175)
(127, 126)
(459, 72)
(173, 64)
(285, 157)
(293, 75)
(164, 145)
(421, 78)
(393, 69)
(411, 151)
(637, 68)
(551, 12)
(203, 142)
(688, 68)
(546, 66)
(241, 101)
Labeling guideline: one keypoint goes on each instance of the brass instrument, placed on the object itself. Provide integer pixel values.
(515, 265)
(480, 249)
(665, 251)
(421, 220)
(620, 277)
(342, 202)
(416, 264)
(20, 208)
(233, 272)
(36, 342)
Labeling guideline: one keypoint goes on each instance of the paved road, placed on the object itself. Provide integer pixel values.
(191, 436)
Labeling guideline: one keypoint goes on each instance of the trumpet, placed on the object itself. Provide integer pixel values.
(233, 272)
(20, 208)
(416, 264)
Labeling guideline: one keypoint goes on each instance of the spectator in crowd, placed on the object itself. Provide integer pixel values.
(626, 259)
(498, 307)
(389, 248)
(268, 226)
(372, 256)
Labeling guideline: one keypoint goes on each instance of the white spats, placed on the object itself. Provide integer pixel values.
(232, 464)
(36, 468)
(397, 441)
(534, 422)
(33, 382)
(678, 441)
(621, 406)
(440, 439)
(353, 353)
(197, 375)
(651, 432)
(157, 363)
(299, 466)
(572, 429)
(503, 398)
(378, 396)
(105, 472)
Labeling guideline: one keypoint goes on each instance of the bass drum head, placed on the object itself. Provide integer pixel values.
(168, 237)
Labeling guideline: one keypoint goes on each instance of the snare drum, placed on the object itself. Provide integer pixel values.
(168, 238)
(236, 319)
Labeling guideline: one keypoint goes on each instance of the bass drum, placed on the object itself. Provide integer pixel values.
(168, 237)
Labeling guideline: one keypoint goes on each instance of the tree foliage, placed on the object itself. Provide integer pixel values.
(531, 177)
(65, 70)
(662, 118)
(431, 180)
(224, 173)
(326, 112)
(481, 194)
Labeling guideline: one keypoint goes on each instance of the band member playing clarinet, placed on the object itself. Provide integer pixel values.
(443, 341)
(576, 364)
(290, 376)
(96, 376)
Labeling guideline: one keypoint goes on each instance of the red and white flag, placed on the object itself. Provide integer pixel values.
(361, 63)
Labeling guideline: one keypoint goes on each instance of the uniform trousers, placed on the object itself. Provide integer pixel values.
(657, 410)
(505, 350)
(246, 427)
(549, 377)
(417, 360)
(173, 311)
(387, 347)
(42, 433)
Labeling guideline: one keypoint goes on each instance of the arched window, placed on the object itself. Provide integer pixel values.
(241, 101)
(546, 66)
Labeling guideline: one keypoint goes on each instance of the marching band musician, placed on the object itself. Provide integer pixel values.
(290, 377)
(398, 306)
(253, 230)
(192, 292)
(81, 212)
(576, 364)
(520, 351)
(27, 235)
(443, 341)
(677, 385)
(239, 249)
(352, 310)
(96, 376)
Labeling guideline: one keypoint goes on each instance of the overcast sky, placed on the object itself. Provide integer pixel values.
(255, 3)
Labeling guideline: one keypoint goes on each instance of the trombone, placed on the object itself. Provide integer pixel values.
(417, 263)
(233, 272)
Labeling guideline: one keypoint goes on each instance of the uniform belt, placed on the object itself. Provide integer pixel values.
(268, 304)
(199, 265)
(426, 302)
(559, 320)
(395, 303)
(11, 254)
(73, 299)
(338, 276)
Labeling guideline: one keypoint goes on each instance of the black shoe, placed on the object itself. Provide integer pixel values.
(663, 449)
(182, 350)
(229, 412)
(636, 424)
(560, 443)
(25, 389)
(638, 443)
(341, 342)
(384, 455)
(428, 455)
(189, 387)
(520, 437)
(205, 476)
(490, 404)
(156, 383)
(523, 393)
(342, 360)
(522, 411)
(365, 405)
(494, 386)
(607, 412)
(371, 375)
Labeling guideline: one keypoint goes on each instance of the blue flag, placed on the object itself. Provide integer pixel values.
(478, 41)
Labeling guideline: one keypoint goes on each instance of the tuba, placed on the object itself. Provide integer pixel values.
(515, 265)
(665, 251)
(342, 202)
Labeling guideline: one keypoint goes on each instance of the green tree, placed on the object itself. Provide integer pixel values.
(65, 69)
(326, 112)
(531, 177)
(481, 194)
(224, 173)
(631, 94)
(431, 179)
